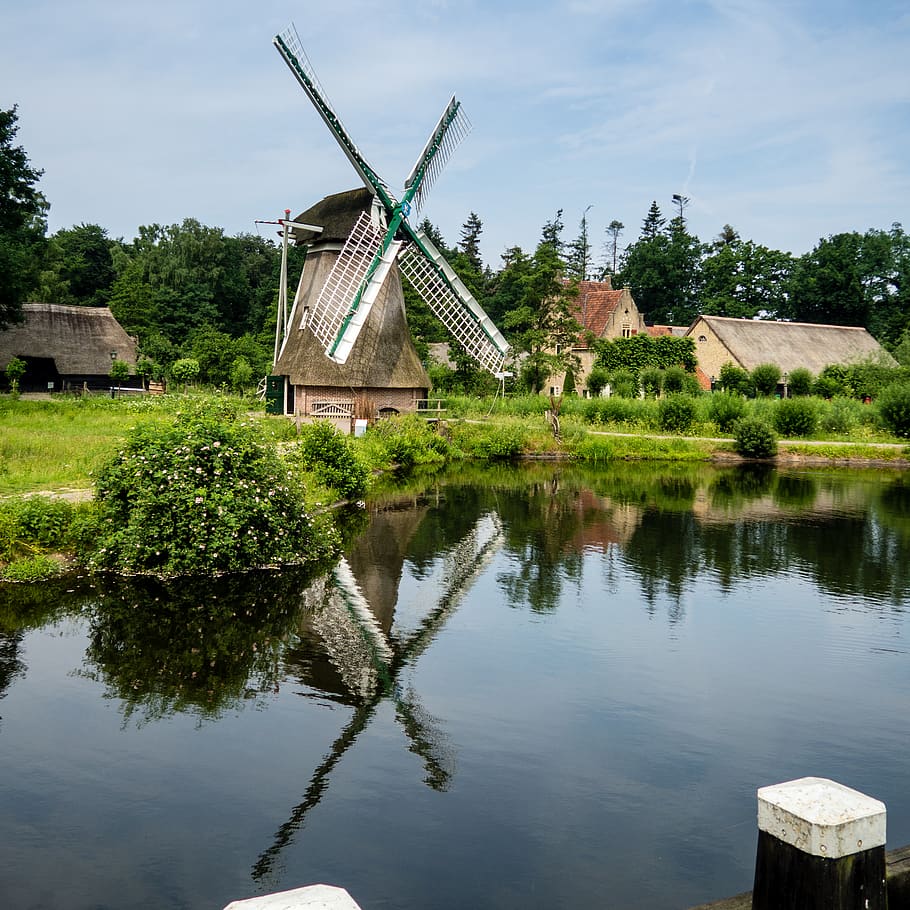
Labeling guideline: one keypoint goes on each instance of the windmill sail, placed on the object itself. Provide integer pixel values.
(452, 127)
(452, 303)
(345, 301)
(291, 50)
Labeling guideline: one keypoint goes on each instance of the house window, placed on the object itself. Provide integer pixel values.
(558, 349)
(554, 389)
(702, 338)
(626, 330)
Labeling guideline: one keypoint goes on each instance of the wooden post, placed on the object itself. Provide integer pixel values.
(312, 897)
(821, 846)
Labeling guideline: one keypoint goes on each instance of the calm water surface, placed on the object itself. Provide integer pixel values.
(536, 687)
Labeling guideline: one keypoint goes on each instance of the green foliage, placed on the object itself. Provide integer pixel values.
(624, 383)
(22, 221)
(652, 381)
(765, 378)
(799, 382)
(638, 352)
(725, 409)
(241, 374)
(894, 409)
(796, 417)
(840, 415)
(663, 270)
(676, 413)
(405, 443)
(674, 380)
(33, 523)
(754, 438)
(597, 380)
(30, 569)
(120, 371)
(868, 378)
(330, 458)
(202, 496)
(185, 370)
(831, 381)
(568, 387)
(734, 379)
(15, 370)
(497, 443)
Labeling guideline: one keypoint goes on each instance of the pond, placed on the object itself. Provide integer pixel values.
(537, 686)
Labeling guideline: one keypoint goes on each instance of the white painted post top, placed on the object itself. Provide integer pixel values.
(821, 817)
(312, 897)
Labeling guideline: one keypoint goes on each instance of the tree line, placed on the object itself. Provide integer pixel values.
(190, 291)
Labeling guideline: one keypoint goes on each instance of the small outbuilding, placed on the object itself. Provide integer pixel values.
(746, 343)
(66, 347)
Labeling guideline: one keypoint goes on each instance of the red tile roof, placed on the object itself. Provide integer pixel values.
(595, 304)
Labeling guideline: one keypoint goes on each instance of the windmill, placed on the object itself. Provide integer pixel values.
(360, 288)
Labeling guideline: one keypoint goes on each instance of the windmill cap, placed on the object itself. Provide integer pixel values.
(336, 215)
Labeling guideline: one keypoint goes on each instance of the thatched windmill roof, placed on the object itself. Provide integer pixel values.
(790, 345)
(383, 355)
(78, 339)
(335, 214)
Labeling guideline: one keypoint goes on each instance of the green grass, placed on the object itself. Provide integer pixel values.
(57, 444)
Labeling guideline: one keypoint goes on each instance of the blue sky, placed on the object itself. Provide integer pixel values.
(788, 120)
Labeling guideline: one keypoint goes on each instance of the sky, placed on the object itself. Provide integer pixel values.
(787, 119)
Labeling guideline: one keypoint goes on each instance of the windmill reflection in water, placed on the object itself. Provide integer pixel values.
(370, 664)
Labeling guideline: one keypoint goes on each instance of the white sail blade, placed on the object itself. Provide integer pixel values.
(452, 127)
(452, 303)
(341, 309)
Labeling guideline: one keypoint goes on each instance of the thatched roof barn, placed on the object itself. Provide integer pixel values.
(746, 343)
(66, 346)
(383, 371)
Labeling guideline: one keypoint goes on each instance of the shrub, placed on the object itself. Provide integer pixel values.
(676, 413)
(795, 417)
(34, 523)
(831, 381)
(894, 409)
(734, 379)
(185, 370)
(502, 443)
(30, 569)
(652, 381)
(624, 383)
(840, 415)
(328, 455)
(799, 382)
(408, 441)
(202, 496)
(765, 378)
(597, 380)
(674, 380)
(725, 409)
(753, 438)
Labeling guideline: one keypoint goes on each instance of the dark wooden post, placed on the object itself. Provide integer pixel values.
(821, 846)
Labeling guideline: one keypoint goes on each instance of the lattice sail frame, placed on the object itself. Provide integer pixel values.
(332, 307)
(452, 303)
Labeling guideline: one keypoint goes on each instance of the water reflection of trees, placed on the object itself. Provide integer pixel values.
(199, 645)
(846, 531)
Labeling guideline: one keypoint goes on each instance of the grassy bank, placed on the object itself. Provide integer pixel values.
(59, 445)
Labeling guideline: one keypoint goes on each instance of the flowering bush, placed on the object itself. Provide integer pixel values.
(202, 496)
(328, 455)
